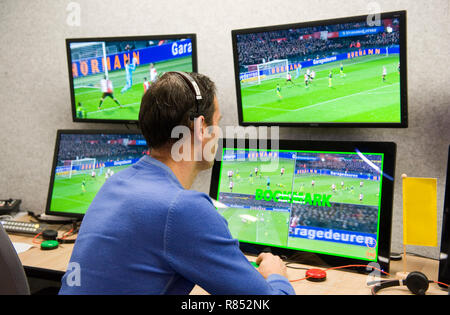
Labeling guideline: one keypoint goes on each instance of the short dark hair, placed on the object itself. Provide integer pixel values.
(169, 102)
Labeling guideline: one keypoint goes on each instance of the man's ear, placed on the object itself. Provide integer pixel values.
(199, 128)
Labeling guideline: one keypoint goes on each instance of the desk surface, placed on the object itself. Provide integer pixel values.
(338, 281)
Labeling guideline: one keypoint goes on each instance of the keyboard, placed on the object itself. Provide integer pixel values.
(12, 226)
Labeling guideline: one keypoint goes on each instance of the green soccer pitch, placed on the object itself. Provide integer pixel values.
(68, 195)
(90, 96)
(271, 228)
(361, 96)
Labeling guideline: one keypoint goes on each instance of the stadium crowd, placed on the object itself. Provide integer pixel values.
(104, 148)
(286, 44)
(346, 217)
(355, 166)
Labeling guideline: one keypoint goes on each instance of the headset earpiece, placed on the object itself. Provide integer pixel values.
(195, 88)
(417, 283)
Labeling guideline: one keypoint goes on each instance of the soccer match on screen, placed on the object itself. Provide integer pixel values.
(85, 162)
(344, 73)
(110, 77)
(313, 201)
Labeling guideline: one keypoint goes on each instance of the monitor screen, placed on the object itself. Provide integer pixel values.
(83, 161)
(329, 198)
(347, 72)
(108, 76)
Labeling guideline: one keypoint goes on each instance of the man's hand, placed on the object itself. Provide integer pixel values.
(270, 264)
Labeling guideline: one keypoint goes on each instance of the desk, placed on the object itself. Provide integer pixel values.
(338, 282)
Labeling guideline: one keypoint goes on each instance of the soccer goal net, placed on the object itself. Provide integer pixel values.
(272, 70)
(90, 55)
(77, 167)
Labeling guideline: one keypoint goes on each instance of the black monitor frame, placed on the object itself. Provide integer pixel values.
(401, 15)
(60, 132)
(191, 36)
(386, 207)
(444, 259)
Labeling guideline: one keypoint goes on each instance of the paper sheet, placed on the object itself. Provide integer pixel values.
(21, 247)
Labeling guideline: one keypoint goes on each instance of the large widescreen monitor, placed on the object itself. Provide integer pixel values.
(108, 76)
(330, 199)
(348, 72)
(83, 161)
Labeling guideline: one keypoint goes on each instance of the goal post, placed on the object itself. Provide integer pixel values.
(82, 166)
(85, 53)
(272, 69)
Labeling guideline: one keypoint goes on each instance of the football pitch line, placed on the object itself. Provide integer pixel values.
(325, 102)
(114, 108)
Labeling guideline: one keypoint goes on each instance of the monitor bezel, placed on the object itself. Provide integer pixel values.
(444, 259)
(401, 15)
(386, 207)
(60, 132)
(191, 36)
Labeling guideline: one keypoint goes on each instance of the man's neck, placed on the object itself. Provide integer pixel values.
(185, 171)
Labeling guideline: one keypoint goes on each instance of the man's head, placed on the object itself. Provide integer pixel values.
(169, 103)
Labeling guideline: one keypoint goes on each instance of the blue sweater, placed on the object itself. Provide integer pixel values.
(145, 234)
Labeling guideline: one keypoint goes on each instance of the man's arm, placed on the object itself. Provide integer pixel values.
(200, 247)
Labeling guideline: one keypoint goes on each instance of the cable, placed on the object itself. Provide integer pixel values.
(35, 237)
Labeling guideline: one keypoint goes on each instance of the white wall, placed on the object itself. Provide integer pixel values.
(34, 89)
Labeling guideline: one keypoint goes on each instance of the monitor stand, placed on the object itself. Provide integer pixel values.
(55, 219)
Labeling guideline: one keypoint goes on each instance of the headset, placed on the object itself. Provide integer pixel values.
(195, 88)
(416, 282)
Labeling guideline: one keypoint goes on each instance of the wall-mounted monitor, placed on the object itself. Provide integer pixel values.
(348, 72)
(108, 76)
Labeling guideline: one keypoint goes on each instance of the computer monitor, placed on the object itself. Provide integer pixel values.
(108, 76)
(329, 200)
(348, 72)
(444, 261)
(83, 161)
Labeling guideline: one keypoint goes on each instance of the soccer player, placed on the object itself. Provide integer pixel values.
(342, 184)
(83, 186)
(231, 186)
(80, 111)
(279, 91)
(306, 80)
(129, 68)
(333, 187)
(93, 175)
(230, 175)
(268, 183)
(299, 68)
(146, 85)
(361, 183)
(289, 78)
(313, 76)
(282, 171)
(256, 171)
(313, 183)
(342, 70)
(153, 73)
(361, 196)
(384, 73)
(330, 79)
(108, 91)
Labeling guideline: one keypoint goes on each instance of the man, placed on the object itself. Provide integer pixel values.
(147, 233)
(107, 89)
(129, 68)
